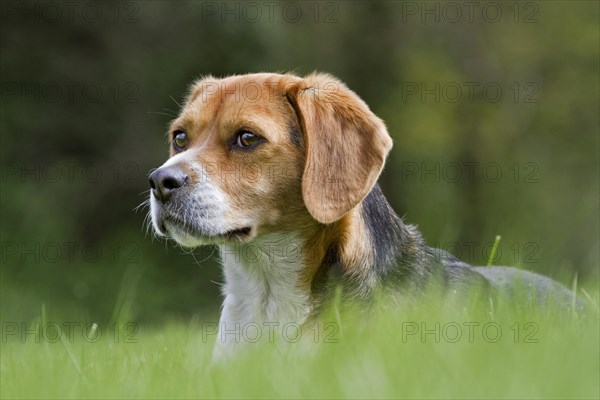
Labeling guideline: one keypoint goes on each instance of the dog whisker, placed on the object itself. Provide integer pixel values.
(172, 98)
(161, 113)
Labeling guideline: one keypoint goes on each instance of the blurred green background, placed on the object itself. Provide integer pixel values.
(493, 110)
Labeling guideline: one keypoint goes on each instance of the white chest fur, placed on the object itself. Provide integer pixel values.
(261, 287)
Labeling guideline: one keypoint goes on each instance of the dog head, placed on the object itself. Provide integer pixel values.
(260, 153)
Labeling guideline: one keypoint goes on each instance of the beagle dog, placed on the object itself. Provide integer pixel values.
(280, 172)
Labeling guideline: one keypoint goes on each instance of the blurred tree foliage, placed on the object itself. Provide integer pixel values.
(477, 95)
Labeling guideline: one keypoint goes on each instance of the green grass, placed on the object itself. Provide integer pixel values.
(380, 357)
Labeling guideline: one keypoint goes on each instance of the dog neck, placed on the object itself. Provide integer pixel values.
(261, 280)
(275, 278)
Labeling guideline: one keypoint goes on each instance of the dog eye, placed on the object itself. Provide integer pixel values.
(179, 140)
(246, 139)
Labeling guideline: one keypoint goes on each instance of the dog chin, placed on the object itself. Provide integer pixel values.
(185, 238)
(182, 237)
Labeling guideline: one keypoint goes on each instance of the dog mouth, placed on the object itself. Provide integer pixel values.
(182, 231)
(239, 233)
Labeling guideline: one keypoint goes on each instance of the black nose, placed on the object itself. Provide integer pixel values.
(164, 181)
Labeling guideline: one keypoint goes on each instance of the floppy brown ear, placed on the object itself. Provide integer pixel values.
(346, 146)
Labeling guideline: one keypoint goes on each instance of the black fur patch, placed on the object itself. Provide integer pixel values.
(295, 136)
(386, 229)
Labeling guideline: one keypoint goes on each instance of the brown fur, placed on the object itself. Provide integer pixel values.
(346, 146)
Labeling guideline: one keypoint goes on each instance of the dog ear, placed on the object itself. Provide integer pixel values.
(346, 146)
